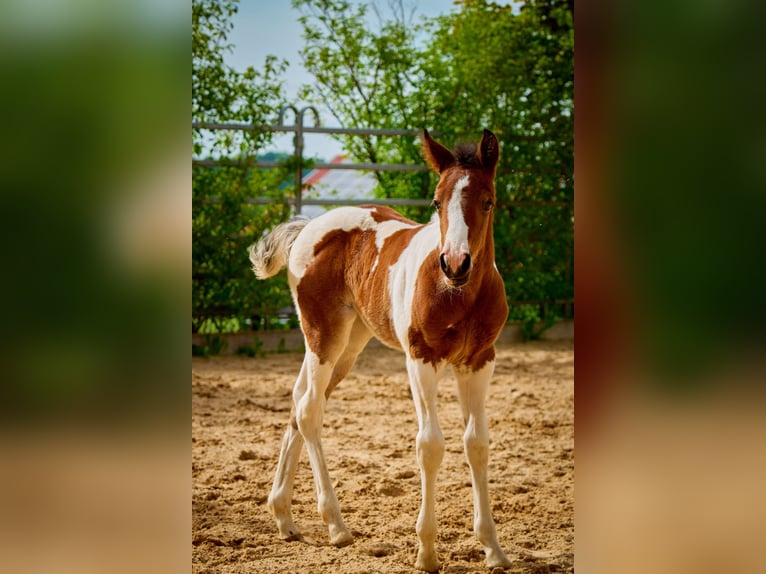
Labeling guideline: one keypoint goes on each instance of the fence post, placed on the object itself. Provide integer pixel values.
(298, 143)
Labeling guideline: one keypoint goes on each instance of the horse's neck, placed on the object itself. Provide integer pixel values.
(485, 261)
(489, 242)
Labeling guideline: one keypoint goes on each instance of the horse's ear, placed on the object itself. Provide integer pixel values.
(437, 156)
(489, 151)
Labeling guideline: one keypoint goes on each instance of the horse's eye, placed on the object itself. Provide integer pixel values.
(437, 204)
(487, 205)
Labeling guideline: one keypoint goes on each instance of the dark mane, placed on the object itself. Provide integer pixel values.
(465, 154)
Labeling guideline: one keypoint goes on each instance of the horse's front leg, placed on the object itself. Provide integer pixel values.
(472, 390)
(430, 451)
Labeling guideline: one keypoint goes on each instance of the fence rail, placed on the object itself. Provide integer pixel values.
(333, 201)
(308, 129)
(357, 166)
(299, 128)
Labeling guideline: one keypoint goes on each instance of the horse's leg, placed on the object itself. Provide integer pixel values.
(309, 411)
(472, 390)
(358, 338)
(280, 498)
(430, 451)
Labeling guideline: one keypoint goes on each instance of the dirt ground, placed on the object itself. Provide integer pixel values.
(240, 409)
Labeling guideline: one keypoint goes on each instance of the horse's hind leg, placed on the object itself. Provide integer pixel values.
(357, 341)
(309, 411)
(280, 498)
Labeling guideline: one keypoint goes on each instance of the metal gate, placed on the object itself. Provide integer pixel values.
(299, 129)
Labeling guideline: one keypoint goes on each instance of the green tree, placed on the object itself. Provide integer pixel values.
(225, 294)
(368, 78)
(222, 94)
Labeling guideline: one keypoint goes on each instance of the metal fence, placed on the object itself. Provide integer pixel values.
(299, 128)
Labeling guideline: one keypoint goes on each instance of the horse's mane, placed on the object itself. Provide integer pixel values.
(466, 156)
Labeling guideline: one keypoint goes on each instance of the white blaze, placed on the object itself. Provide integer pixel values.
(456, 239)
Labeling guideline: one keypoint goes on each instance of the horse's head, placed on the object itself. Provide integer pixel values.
(464, 200)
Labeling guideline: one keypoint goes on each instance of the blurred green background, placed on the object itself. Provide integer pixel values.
(94, 209)
(671, 197)
(681, 187)
(94, 222)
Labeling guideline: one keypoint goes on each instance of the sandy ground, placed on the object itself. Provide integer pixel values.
(241, 407)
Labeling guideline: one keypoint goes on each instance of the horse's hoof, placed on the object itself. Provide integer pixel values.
(288, 531)
(293, 537)
(429, 564)
(340, 539)
(498, 560)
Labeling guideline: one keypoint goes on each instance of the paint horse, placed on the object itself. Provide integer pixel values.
(430, 290)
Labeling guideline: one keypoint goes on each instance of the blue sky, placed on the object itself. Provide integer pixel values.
(264, 27)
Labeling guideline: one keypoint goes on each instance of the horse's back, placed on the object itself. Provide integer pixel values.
(320, 230)
(342, 225)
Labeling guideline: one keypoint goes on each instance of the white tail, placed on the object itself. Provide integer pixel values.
(270, 254)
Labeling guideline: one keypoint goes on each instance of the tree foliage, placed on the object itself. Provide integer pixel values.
(222, 94)
(225, 295)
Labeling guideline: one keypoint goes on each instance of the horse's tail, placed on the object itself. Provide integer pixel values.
(270, 254)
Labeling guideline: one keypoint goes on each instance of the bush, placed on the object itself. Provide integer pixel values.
(226, 296)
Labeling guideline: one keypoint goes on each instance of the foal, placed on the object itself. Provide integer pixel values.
(430, 290)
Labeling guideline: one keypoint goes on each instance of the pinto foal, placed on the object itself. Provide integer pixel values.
(431, 290)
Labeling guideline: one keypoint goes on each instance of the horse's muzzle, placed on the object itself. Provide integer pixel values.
(457, 277)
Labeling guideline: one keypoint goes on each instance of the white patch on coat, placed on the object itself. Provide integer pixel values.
(340, 219)
(385, 230)
(404, 274)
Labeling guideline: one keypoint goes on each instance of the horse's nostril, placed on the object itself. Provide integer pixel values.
(459, 273)
(465, 266)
